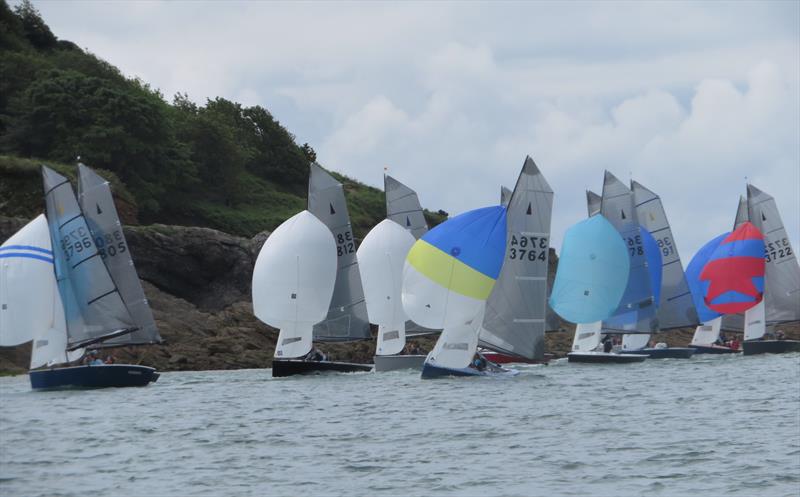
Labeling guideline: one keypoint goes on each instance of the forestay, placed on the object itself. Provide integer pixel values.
(293, 281)
(676, 309)
(637, 309)
(515, 318)
(93, 307)
(347, 315)
(381, 257)
(782, 277)
(94, 195)
(403, 207)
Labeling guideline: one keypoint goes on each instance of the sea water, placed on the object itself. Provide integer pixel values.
(711, 425)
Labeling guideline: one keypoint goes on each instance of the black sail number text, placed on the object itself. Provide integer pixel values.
(345, 244)
(110, 244)
(528, 248)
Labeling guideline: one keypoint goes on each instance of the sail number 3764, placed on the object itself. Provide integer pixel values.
(528, 248)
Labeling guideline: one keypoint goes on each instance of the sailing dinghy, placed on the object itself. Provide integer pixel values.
(381, 256)
(306, 282)
(781, 299)
(447, 277)
(516, 315)
(70, 300)
(590, 282)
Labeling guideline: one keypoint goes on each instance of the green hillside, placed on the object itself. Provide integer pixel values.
(220, 165)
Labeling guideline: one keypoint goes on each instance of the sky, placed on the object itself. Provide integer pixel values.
(691, 99)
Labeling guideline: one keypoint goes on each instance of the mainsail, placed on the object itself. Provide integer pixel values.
(93, 307)
(515, 317)
(637, 309)
(98, 207)
(402, 207)
(782, 278)
(505, 196)
(593, 202)
(347, 314)
(676, 309)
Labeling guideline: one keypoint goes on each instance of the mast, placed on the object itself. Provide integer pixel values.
(347, 315)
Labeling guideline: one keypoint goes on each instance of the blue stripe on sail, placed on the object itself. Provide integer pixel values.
(8, 255)
(27, 247)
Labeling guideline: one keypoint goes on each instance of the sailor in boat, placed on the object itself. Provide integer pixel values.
(315, 355)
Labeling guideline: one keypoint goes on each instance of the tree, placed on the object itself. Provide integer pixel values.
(37, 32)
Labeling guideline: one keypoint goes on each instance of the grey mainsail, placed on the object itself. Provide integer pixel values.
(593, 202)
(402, 207)
(782, 274)
(676, 309)
(347, 316)
(515, 318)
(93, 308)
(94, 195)
(505, 196)
(636, 312)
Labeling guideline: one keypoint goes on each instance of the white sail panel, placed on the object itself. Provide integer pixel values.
(432, 305)
(294, 273)
(26, 279)
(707, 333)
(457, 344)
(381, 257)
(782, 273)
(755, 322)
(587, 336)
(636, 341)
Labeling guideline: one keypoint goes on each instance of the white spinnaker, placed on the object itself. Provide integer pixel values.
(26, 279)
(635, 341)
(457, 344)
(587, 336)
(380, 259)
(432, 305)
(293, 281)
(707, 333)
(755, 322)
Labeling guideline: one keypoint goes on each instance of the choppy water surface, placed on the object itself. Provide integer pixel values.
(709, 425)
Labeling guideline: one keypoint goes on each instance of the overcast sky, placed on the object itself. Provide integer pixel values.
(686, 98)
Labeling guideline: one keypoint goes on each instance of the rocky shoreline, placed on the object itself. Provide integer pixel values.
(198, 283)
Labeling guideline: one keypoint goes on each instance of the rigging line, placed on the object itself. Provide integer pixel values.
(53, 188)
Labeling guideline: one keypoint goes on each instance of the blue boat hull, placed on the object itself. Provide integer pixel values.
(101, 376)
(431, 371)
(665, 353)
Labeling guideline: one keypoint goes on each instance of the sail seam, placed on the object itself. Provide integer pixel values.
(101, 296)
(69, 221)
(88, 258)
(53, 188)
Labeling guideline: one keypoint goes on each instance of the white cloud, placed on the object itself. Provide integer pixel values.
(688, 97)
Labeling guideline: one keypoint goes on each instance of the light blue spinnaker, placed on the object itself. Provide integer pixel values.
(592, 272)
